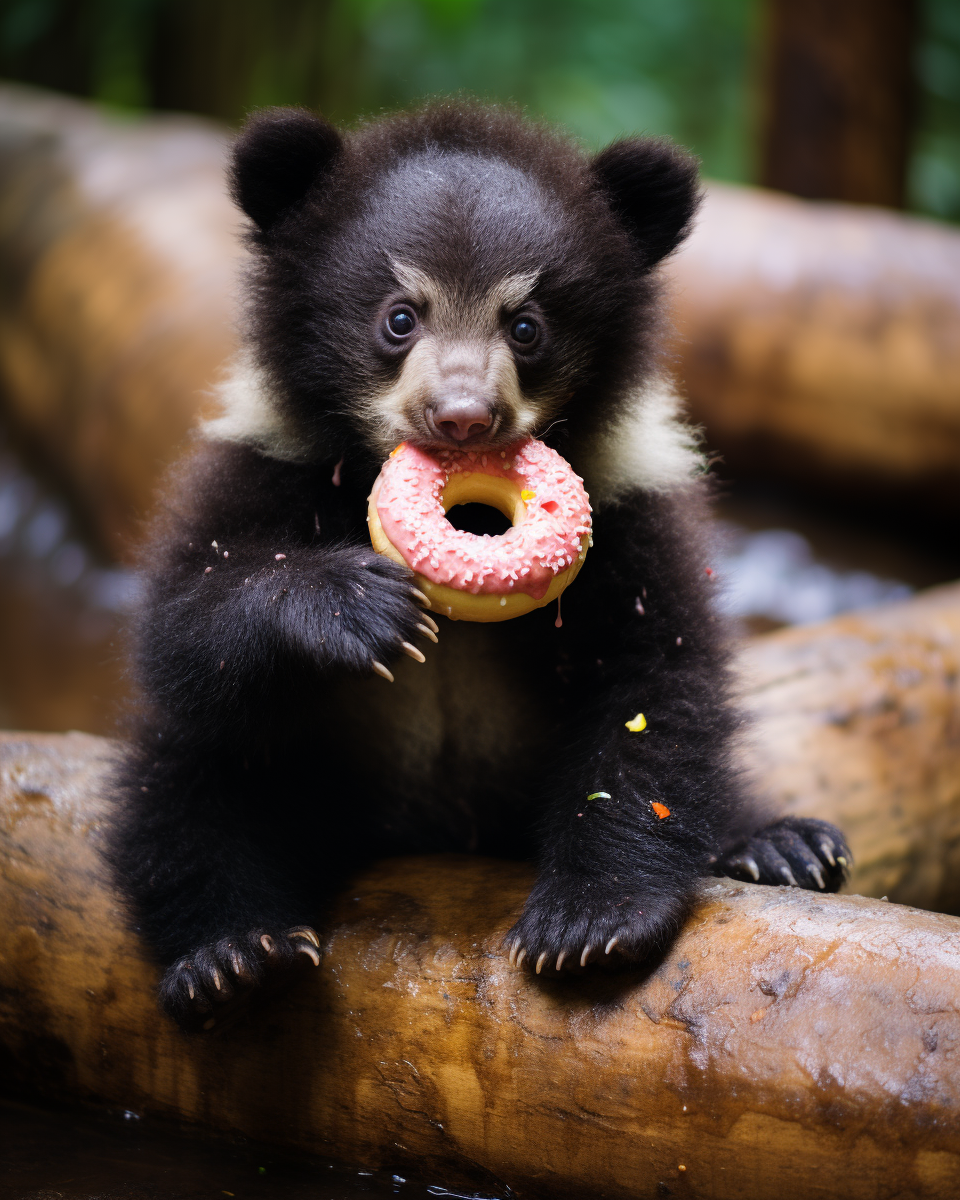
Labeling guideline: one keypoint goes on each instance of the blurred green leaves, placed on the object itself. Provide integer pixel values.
(934, 177)
(687, 68)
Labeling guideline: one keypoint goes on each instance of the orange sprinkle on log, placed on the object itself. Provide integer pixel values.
(660, 809)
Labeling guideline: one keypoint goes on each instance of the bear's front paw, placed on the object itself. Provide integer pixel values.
(573, 920)
(201, 988)
(798, 851)
(377, 613)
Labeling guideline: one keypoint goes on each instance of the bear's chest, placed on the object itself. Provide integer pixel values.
(476, 712)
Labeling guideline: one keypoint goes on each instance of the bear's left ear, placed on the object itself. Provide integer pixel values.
(278, 157)
(653, 189)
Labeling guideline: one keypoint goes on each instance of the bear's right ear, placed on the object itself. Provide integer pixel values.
(277, 158)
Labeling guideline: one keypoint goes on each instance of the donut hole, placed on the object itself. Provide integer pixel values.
(473, 517)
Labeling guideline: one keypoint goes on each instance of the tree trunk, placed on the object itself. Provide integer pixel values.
(839, 97)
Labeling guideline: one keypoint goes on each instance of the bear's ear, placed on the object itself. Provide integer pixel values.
(277, 158)
(653, 189)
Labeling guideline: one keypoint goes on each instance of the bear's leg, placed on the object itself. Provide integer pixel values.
(213, 851)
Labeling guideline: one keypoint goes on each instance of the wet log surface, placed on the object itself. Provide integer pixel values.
(788, 1043)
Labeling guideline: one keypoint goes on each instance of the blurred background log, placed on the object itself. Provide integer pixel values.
(857, 721)
(819, 344)
(785, 1036)
(118, 255)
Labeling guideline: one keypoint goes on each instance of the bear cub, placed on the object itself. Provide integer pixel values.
(451, 276)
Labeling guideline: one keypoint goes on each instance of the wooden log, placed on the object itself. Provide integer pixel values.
(820, 344)
(857, 721)
(119, 252)
(788, 1043)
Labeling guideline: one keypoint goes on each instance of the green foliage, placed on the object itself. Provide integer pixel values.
(687, 68)
(682, 67)
(934, 179)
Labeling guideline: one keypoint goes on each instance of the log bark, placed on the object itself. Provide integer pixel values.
(820, 344)
(788, 1043)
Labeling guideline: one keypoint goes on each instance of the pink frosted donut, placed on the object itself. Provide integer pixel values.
(474, 577)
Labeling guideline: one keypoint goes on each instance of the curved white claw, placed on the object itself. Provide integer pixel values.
(310, 951)
(560, 957)
(610, 945)
(541, 960)
(382, 671)
(304, 931)
(521, 956)
(585, 955)
(413, 652)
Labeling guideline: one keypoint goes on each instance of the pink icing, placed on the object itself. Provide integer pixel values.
(525, 558)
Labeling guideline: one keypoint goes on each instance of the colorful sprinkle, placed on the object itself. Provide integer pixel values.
(638, 723)
(526, 494)
(660, 809)
(599, 796)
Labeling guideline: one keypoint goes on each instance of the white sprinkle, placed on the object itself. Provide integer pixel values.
(226, 554)
(279, 556)
(503, 601)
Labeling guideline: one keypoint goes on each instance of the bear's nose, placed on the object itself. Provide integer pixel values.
(458, 419)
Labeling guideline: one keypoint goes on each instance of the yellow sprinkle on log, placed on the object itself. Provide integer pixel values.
(599, 796)
(526, 494)
(638, 724)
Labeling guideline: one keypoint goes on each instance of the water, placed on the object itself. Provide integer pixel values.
(80, 1156)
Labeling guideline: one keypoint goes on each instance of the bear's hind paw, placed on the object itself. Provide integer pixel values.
(203, 988)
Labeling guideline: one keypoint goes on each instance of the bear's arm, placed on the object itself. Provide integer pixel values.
(259, 579)
(633, 816)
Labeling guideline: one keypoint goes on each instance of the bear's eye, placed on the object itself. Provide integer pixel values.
(525, 332)
(400, 322)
